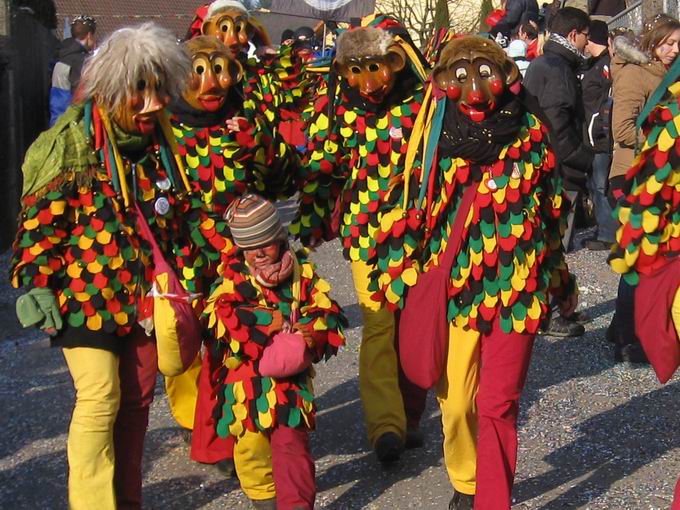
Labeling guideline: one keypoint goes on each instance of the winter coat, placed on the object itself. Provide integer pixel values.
(634, 78)
(552, 80)
(514, 10)
(606, 7)
(65, 76)
(596, 85)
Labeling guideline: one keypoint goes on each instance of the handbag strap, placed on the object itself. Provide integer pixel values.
(456, 235)
(146, 233)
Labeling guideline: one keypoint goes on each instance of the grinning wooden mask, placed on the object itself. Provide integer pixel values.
(474, 73)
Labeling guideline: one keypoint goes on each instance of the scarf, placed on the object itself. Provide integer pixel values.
(271, 275)
(480, 142)
(190, 116)
(562, 41)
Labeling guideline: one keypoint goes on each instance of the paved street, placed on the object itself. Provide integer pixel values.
(593, 434)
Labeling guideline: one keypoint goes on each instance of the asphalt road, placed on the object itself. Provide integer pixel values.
(593, 434)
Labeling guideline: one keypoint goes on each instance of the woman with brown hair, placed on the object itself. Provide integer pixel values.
(636, 72)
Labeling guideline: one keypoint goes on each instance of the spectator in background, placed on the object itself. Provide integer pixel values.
(597, 103)
(552, 79)
(517, 50)
(636, 72)
(287, 36)
(606, 7)
(514, 11)
(66, 73)
(528, 32)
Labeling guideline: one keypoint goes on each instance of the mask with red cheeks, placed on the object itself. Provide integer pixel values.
(213, 73)
(474, 74)
(231, 27)
(139, 112)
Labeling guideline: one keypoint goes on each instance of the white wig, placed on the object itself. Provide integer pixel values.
(131, 54)
(225, 5)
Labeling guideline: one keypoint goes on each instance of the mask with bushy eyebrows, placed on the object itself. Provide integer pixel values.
(370, 61)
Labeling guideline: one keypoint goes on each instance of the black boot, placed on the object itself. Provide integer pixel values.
(461, 501)
(414, 438)
(632, 353)
(388, 447)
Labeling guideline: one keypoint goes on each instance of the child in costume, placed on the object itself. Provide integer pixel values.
(87, 268)
(486, 181)
(359, 129)
(272, 317)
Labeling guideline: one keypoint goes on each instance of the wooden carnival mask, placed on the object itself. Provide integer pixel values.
(370, 60)
(139, 112)
(474, 73)
(213, 72)
(232, 27)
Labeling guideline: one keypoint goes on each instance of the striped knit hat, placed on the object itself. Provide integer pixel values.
(254, 222)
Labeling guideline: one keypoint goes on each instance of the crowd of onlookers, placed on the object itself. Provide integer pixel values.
(591, 83)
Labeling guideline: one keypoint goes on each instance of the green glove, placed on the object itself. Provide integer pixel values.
(39, 305)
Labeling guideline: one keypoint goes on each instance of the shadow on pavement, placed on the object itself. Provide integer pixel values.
(612, 445)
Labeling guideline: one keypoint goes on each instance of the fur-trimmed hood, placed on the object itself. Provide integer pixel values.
(626, 50)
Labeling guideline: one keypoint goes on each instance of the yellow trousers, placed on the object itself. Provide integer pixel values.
(378, 363)
(253, 461)
(90, 436)
(675, 312)
(182, 391)
(456, 392)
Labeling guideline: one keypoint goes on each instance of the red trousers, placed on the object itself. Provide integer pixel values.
(293, 468)
(138, 369)
(478, 396)
(505, 361)
(676, 499)
(206, 446)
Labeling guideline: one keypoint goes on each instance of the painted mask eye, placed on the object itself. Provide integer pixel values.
(224, 27)
(461, 74)
(141, 85)
(199, 69)
(484, 71)
(240, 26)
(217, 68)
(373, 67)
(355, 69)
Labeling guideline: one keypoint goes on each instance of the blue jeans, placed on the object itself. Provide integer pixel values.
(597, 186)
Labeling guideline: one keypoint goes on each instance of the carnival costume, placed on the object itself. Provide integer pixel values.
(357, 144)
(80, 251)
(487, 151)
(648, 239)
(222, 164)
(245, 313)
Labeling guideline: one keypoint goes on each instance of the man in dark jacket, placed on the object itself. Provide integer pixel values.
(552, 78)
(66, 73)
(597, 103)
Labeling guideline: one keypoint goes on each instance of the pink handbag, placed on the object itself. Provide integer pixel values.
(287, 354)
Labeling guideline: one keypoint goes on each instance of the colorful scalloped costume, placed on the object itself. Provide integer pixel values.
(353, 152)
(240, 315)
(77, 236)
(511, 255)
(648, 212)
(222, 164)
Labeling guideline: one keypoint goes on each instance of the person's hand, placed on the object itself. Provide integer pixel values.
(277, 322)
(568, 305)
(237, 124)
(303, 330)
(39, 307)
